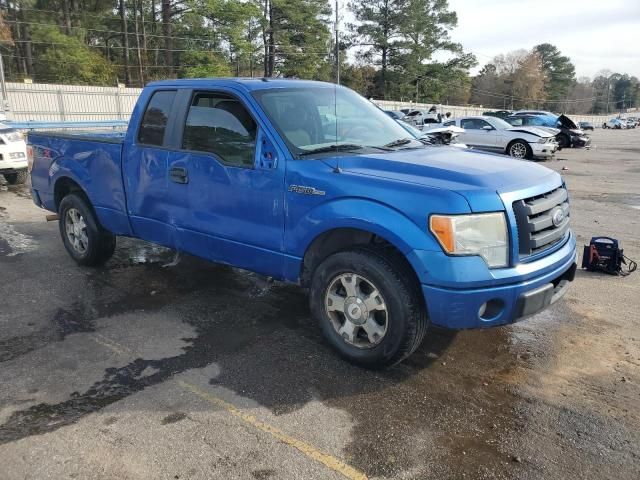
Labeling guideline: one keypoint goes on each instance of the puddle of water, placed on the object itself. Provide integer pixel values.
(16, 242)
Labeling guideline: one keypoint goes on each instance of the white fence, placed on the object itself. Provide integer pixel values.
(460, 111)
(48, 102)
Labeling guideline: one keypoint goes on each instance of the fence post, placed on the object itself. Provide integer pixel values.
(119, 103)
(61, 105)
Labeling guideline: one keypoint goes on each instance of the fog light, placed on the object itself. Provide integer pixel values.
(491, 309)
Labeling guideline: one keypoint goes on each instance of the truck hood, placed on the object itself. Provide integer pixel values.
(476, 176)
(566, 122)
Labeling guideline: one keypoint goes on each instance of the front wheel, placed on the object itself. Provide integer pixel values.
(17, 178)
(519, 149)
(369, 307)
(87, 242)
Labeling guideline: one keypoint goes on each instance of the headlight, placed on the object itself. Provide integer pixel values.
(483, 234)
(542, 140)
(14, 136)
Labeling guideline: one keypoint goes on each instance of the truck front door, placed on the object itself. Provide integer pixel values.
(228, 183)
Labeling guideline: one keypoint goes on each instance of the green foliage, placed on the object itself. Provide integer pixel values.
(65, 59)
(401, 37)
(301, 38)
(203, 65)
(560, 74)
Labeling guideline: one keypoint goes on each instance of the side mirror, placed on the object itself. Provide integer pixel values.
(487, 128)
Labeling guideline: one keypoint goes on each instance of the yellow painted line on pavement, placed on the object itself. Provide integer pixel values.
(310, 451)
(109, 345)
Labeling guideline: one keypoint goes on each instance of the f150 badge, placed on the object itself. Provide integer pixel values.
(305, 190)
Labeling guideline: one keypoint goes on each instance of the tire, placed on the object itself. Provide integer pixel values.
(519, 149)
(86, 241)
(604, 126)
(17, 178)
(401, 326)
(563, 141)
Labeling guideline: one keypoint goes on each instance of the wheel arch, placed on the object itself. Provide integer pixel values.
(344, 238)
(65, 185)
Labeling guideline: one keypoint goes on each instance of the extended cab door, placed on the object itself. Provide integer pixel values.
(145, 167)
(478, 133)
(225, 175)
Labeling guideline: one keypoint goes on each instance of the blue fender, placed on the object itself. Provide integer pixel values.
(361, 214)
(97, 170)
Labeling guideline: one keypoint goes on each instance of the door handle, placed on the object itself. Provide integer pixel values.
(179, 175)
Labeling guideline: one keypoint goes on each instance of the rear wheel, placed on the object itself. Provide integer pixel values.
(519, 149)
(85, 239)
(369, 307)
(16, 178)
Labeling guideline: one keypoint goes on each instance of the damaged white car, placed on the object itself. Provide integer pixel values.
(496, 135)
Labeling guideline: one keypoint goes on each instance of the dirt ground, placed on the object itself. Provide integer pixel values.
(196, 371)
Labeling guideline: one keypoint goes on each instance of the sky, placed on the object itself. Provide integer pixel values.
(595, 34)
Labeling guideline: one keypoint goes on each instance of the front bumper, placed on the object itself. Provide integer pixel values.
(498, 303)
(580, 141)
(9, 165)
(543, 150)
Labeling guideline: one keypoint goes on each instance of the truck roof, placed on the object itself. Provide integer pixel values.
(248, 83)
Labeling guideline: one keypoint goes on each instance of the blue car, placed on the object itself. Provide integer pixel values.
(312, 184)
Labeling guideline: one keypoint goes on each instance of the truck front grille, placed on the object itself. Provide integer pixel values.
(543, 221)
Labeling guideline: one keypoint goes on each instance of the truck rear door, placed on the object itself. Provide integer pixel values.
(152, 211)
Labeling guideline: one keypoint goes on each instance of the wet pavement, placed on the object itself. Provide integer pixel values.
(151, 368)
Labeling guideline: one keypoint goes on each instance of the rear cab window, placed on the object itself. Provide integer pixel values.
(154, 121)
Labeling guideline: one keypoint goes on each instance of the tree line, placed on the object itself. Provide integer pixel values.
(544, 78)
(392, 50)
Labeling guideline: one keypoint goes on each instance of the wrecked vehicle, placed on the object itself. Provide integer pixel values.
(388, 234)
(568, 136)
(496, 135)
(437, 135)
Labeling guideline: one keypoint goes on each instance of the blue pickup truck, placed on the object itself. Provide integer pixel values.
(310, 183)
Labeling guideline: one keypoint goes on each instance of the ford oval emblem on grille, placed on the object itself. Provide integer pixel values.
(557, 216)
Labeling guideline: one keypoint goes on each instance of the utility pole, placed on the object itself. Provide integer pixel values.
(608, 89)
(3, 89)
(337, 54)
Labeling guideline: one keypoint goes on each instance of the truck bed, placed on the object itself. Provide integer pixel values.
(110, 136)
(93, 160)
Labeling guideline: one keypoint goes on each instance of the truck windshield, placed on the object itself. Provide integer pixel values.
(312, 120)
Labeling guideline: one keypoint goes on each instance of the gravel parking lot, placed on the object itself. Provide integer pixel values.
(144, 370)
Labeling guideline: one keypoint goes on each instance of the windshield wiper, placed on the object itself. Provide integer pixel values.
(399, 142)
(342, 147)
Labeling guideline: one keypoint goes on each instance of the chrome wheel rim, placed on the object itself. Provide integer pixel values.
(518, 150)
(76, 230)
(357, 310)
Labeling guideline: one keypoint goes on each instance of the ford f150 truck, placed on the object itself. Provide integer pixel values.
(308, 182)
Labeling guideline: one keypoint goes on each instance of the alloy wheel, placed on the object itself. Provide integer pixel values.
(357, 310)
